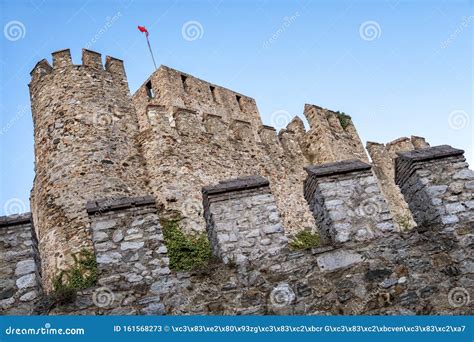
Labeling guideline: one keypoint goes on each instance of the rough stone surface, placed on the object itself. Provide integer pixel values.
(346, 202)
(435, 183)
(84, 130)
(19, 265)
(195, 134)
(140, 260)
(243, 222)
(383, 161)
(100, 154)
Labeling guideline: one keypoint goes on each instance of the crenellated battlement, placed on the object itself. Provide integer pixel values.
(121, 176)
(91, 59)
(332, 137)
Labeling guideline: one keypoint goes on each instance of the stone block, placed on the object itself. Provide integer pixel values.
(355, 210)
(435, 183)
(246, 211)
(338, 259)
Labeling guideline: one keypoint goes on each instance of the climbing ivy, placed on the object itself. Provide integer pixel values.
(81, 275)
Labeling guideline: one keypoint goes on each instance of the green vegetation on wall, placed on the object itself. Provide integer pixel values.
(185, 251)
(344, 119)
(81, 275)
(305, 239)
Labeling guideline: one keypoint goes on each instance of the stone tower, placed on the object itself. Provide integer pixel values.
(84, 129)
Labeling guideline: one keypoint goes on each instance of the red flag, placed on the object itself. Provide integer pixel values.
(143, 29)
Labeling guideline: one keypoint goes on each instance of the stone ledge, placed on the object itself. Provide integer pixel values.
(106, 204)
(341, 167)
(408, 162)
(14, 220)
(430, 153)
(236, 184)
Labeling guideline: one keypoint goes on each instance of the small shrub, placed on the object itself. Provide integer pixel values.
(186, 252)
(81, 275)
(305, 239)
(344, 119)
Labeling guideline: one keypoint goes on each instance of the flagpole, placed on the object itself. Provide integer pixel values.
(151, 52)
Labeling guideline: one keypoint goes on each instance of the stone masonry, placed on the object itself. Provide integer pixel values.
(422, 271)
(346, 202)
(85, 125)
(195, 133)
(20, 271)
(111, 168)
(438, 186)
(383, 159)
(243, 221)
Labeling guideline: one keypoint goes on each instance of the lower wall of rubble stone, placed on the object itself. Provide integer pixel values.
(403, 274)
(20, 287)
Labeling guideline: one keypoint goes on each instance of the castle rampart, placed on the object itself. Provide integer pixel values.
(114, 175)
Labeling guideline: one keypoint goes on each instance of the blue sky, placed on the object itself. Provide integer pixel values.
(397, 67)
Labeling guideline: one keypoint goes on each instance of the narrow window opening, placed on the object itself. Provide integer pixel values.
(149, 90)
(213, 92)
(183, 81)
(239, 101)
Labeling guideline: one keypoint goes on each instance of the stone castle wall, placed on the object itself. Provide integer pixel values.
(195, 133)
(423, 271)
(109, 167)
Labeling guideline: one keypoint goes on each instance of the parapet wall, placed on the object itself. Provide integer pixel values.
(174, 89)
(346, 202)
(397, 273)
(185, 151)
(439, 187)
(332, 137)
(243, 222)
